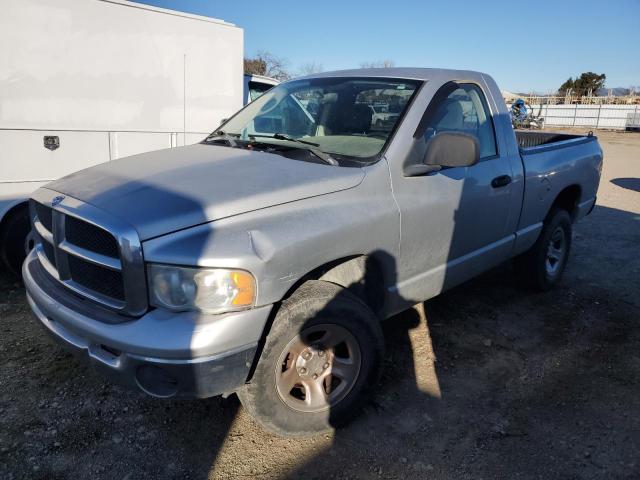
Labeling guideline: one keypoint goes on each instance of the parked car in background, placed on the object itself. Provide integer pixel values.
(382, 117)
(262, 260)
(84, 82)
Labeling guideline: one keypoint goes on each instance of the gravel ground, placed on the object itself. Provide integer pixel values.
(488, 381)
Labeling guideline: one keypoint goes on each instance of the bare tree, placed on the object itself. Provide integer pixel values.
(310, 68)
(267, 64)
(387, 63)
(255, 66)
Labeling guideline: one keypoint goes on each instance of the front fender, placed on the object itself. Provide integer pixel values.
(280, 245)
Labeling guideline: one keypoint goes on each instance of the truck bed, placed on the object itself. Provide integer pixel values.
(528, 139)
(553, 162)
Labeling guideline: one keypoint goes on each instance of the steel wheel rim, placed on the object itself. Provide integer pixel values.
(556, 251)
(318, 368)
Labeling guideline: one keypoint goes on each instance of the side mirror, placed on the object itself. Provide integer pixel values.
(447, 149)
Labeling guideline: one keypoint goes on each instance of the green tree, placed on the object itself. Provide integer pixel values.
(566, 86)
(586, 82)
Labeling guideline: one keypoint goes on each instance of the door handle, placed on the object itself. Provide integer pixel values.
(501, 181)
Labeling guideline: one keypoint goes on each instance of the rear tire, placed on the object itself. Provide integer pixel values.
(325, 345)
(542, 266)
(15, 240)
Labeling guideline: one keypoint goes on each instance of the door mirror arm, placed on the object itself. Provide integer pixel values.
(419, 169)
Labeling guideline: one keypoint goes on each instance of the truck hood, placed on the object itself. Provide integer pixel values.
(169, 190)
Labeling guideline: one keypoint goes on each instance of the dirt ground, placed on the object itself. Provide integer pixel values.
(492, 382)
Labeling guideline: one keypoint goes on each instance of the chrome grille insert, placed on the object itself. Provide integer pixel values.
(90, 252)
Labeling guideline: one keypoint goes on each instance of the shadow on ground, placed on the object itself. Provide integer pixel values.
(628, 183)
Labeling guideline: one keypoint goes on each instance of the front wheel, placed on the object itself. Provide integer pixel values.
(319, 361)
(543, 265)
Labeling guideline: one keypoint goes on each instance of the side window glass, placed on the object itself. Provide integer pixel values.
(465, 110)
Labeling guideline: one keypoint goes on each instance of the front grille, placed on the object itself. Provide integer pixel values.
(85, 255)
(49, 252)
(90, 237)
(94, 277)
(44, 215)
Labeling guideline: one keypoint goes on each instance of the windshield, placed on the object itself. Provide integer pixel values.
(338, 116)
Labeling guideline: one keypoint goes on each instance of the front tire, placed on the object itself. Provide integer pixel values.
(542, 266)
(319, 362)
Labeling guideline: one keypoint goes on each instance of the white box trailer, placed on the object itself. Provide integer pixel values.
(87, 81)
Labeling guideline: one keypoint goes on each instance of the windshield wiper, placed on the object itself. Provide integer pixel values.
(224, 136)
(282, 136)
(318, 153)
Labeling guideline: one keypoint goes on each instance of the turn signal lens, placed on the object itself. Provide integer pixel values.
(245, 286)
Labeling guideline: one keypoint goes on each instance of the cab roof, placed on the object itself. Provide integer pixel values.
(403, 72)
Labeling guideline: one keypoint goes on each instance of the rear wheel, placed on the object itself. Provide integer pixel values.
(543, 265)
(319, 361)
(15, 239)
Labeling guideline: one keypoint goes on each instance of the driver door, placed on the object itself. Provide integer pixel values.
(454, 222)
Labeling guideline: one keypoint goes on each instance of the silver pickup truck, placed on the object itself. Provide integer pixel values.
(262, 260)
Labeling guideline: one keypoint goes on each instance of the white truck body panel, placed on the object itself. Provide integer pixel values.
(110, 79)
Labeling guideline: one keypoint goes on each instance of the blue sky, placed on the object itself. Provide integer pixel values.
(525, 46)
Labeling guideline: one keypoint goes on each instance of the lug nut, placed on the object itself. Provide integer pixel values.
(321, 353)
(315, 376)
(326, 365)
(306, 355)
(302, 371)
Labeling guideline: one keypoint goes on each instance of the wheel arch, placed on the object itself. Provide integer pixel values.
(362, 274)
(15, 209)
(12, 210)
(9, 259)
(568, 200)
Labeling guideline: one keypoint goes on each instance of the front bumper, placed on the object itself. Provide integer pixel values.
(165, 354)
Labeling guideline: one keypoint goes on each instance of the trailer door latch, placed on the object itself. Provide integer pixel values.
(52, 142)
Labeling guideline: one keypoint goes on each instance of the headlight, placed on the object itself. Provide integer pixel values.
(210, 290)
